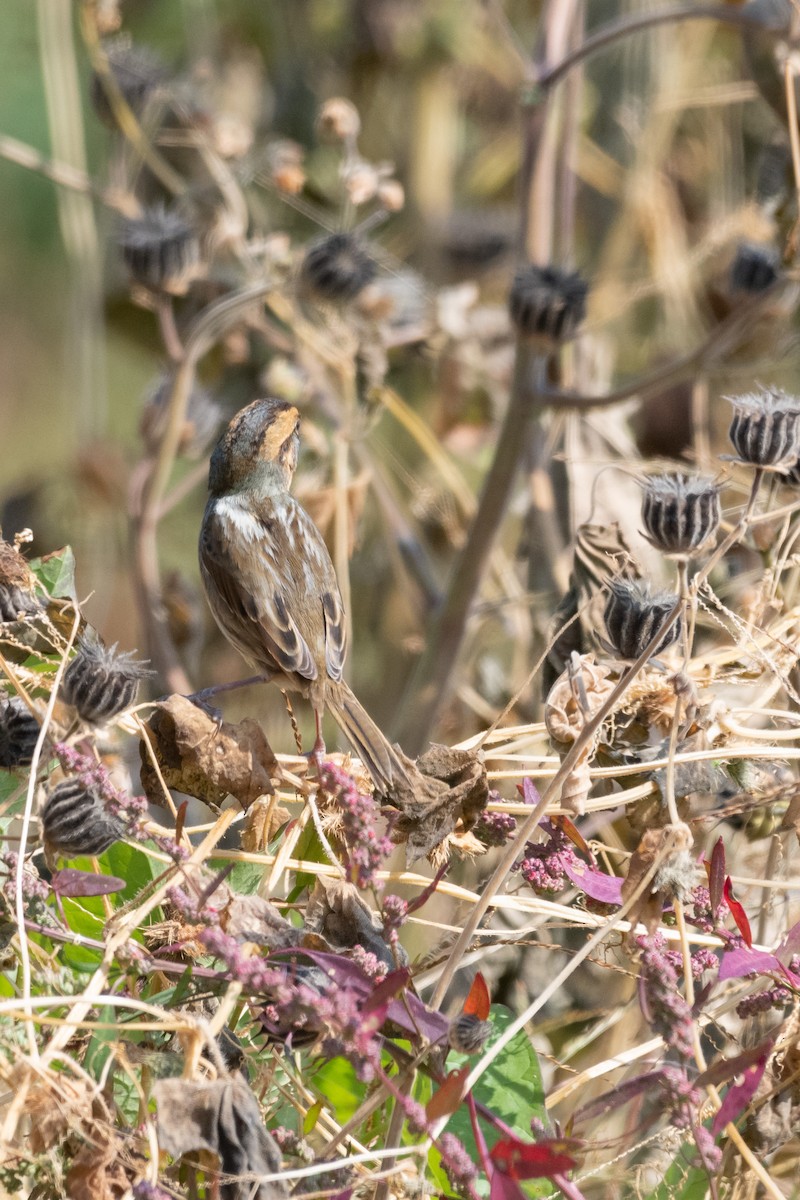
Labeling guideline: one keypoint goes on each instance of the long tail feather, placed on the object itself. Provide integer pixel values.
(379, 757)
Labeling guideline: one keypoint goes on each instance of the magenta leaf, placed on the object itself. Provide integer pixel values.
(504, 1188)
(739, 1095)
(407, 1012)
(530, 793)
(747, 962)
(606, 889)
(72, 882)
(388, 988)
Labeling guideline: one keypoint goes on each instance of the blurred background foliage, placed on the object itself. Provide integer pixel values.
(660, 141)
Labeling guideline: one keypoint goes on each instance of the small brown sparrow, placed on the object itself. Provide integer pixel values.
(270, 581)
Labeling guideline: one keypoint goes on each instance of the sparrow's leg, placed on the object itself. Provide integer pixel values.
(318, 749)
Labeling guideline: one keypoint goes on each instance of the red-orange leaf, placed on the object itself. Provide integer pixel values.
(478, 1001)
(446, 1099)
(738, 913)
(531, 1160)
(572, 832)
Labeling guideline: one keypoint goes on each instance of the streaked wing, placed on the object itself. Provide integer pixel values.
(247, 584)
(335, 633)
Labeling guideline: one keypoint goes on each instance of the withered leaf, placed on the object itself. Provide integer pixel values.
(223, 1117)
(96, 1172)
(337, 913)
(264, 819)
(450, 793)
(205, 758)
(655, 845)
(254, 919)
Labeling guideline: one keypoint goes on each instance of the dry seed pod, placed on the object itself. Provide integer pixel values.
(755, 268)
(680, 512)
(337, 267)
(137, 72)
(338, 120)
(547, 303)
(100, 682)
(468, 1034)
(633, 615)
(765, 429)
(19, 731)
(74, 821)
(574, 698)
(161, 250)
(203, 418)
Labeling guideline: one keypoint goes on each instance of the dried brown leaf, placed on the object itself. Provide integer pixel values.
(450, 792)
(338, 914)
(264, 818)
(224, 1118)
(205, 758)
(254, 919)
(656, 845)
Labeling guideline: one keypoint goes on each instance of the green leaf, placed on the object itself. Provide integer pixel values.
(336, 1083)
(681, 1181)
(131, 864)
(244, 878)
(56, 573)
(511, 1088)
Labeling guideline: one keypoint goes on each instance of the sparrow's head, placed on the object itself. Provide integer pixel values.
(258, 450)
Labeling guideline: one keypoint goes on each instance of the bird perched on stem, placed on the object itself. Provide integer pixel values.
(270, 581)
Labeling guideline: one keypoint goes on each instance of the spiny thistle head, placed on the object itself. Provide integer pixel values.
(755, 267)
(337, 267)
(680, 512)
(19, 731)
(161, 250)
(137, 72)
(634, 615)
(765, 429)
(547, 303)
(100, 682)
(74, 821)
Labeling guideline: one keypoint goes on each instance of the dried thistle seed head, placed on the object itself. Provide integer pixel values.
(755, 267)
(337, 267)
(468, 1034)
(338, 120)
(547, 303)
(137, 72)
(633, 616)
(19, 731)
(74, 821)
(161, 250)
(100, 682)
(17, 604)
(680, 512)
(203, 418)
(765, 429)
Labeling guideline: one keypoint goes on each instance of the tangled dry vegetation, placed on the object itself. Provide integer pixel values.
(564, 956)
